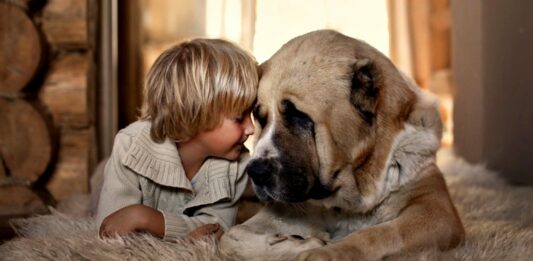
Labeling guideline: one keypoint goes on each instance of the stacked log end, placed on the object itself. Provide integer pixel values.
(46, 129)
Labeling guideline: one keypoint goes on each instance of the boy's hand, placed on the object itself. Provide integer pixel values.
(134, 218)
(206, 230)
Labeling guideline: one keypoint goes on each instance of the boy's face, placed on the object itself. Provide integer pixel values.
(227, 140)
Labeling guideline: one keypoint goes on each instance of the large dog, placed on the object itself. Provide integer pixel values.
(346, 155)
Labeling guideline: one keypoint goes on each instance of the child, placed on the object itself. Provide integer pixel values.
(179, 170)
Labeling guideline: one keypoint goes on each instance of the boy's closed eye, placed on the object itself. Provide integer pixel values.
(242, 117)
(238, 119)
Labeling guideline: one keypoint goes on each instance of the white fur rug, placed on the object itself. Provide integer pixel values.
(498, 219)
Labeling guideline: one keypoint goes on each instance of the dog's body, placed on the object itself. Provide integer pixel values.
(346, 153)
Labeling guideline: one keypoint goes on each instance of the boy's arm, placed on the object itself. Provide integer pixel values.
(121, 186)
(134, 218)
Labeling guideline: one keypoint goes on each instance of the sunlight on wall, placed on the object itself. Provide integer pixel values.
(223, 19)
(279, 21)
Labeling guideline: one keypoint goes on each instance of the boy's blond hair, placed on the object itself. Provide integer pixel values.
(191, 86)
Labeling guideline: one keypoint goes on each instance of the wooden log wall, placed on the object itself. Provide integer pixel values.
(47, 78)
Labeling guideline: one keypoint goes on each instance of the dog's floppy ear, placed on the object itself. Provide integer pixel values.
(364, 92)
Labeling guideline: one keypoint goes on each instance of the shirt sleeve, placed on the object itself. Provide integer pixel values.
(121, 186)
(224, 213)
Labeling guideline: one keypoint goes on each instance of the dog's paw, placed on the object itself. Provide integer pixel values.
(310, 243)
(294, 243)
(329, 253)
(319, 254)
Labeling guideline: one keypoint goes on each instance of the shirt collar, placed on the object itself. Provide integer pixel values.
(161, 163)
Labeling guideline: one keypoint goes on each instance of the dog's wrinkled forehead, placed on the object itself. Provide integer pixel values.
(312, 71)
(306, 81)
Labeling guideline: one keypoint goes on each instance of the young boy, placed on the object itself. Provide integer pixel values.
(179, 170)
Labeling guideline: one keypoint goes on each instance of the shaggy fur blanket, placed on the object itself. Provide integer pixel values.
(498, 219)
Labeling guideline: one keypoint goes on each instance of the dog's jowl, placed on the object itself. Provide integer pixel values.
(346, 156)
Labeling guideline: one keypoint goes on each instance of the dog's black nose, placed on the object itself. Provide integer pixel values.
(261, 171)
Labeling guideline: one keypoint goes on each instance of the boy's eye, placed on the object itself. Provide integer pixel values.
(238, 119)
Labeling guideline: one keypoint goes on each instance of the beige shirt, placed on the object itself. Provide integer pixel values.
(141, 171)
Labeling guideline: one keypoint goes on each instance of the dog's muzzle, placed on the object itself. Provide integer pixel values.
(273, 180)
(261, 171)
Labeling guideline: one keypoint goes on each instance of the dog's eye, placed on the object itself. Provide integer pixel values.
(295, 119)
(260, 117)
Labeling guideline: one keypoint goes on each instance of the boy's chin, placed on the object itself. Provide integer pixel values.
(233, 154)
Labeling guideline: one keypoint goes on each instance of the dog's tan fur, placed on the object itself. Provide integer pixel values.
(388, 196)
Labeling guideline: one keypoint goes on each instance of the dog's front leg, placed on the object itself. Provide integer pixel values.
(428, 221)
(273, 234)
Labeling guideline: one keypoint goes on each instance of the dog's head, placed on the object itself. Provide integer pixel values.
(329, 113)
